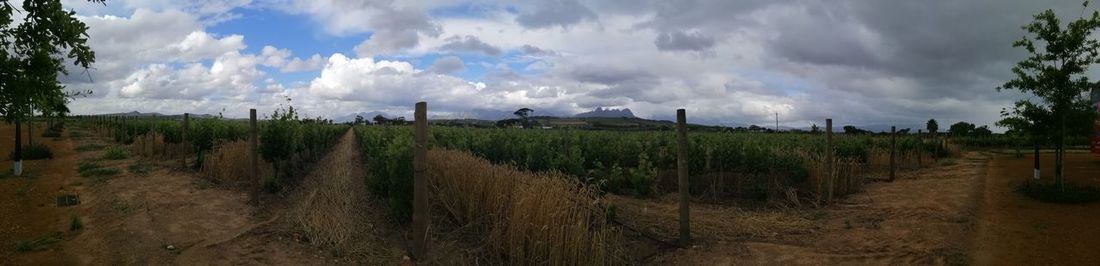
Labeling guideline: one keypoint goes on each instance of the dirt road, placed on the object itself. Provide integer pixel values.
(148, 214)
(1016, 230)
(962, 211)
(924, 217)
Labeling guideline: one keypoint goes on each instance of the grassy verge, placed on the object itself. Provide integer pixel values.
(92, 169)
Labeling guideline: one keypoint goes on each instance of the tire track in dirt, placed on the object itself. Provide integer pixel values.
(161, 217)
(925, 217)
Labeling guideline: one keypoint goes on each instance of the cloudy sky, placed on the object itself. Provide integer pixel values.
(728, 62)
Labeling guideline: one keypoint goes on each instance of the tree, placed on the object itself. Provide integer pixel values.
(932, 126)
(853, 130)
(1054, 72)
(904, 131)
(380, 120)
(359, 120)
(1027, 121)
(961, 129)
(523, 113)
(31, 56)
(982, 132)
(814, 129)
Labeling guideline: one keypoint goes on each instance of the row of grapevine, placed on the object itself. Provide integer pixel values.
(285, 140)
(628, 162)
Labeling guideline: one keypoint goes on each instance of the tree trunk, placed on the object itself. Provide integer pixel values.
(1059, 161)
(1036, 160)
(18, 166)
(30, 131)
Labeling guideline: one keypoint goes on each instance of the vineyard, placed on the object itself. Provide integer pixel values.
(722, 165)
(218, 147)
(560, 196)
(501, 178)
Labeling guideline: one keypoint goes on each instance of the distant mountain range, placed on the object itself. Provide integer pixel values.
(366, 115)
(490, 115)
(612, 113)
(140, 114)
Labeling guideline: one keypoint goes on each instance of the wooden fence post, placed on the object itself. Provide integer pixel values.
(920, 148)
(255, 143)
(936, 153)
(183, 139)
(420, 183)
(829, 160)
(893, 152)
(682, 174)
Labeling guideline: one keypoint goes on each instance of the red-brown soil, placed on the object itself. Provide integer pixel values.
(1016, 230)
(961, 211)
(132, 218)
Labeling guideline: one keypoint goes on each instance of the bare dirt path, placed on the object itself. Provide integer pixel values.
(1016, 230)
(148, 214)
(926, 217)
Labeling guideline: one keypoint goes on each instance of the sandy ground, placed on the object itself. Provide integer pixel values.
(1015, 230)
(962, 211)
(922, 218)
(133, 218)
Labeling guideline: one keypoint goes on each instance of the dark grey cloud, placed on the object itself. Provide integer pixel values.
(531, 50)
(469, 44)
(447, 65)
(683, 41)
(551, 13)
(609, 75)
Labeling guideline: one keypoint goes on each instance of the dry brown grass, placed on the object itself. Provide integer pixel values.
(333, 210)
(529, 218)
(230, 164)
(846, 179)
(152, 145)
(327, 210)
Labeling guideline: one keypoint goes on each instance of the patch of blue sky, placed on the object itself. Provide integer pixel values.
(298, 33)
(464, 10)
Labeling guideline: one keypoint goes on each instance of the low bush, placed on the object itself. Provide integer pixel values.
(75, 224)
(90, 147)
(89, 169)
(1070, 193)
(24, 245)
(35, 151)
(115, 153)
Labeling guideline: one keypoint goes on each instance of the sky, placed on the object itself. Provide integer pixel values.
(727, 62)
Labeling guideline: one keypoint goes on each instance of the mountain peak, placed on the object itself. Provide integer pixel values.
(607, 112)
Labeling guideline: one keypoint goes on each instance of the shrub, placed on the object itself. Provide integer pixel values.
(115, 153)
(1073, 193)
(35, 151)
(90, 147)
(24, 245)
(89, 169)
(279, 139)
(75, 224)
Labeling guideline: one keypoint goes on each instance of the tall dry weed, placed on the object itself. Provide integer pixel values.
(152, 145)
(530, 218)
(230, 164)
